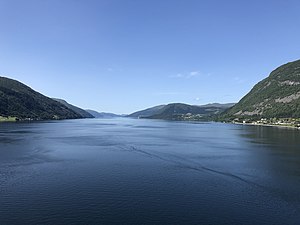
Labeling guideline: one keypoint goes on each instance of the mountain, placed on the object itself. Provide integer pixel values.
(76, 109)
(101, 114)
(147, 112)
(180, 111)
(19, 100)
(278, 96)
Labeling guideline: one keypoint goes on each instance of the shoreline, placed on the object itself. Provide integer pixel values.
(269, 125)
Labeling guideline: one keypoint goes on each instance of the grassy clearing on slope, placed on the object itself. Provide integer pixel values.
(7, 119)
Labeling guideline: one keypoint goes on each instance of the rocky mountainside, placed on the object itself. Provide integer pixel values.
(278, 96)
(19, 100)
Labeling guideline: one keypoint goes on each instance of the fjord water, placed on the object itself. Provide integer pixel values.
(127, 171)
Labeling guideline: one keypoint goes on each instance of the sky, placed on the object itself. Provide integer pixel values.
(125, 55)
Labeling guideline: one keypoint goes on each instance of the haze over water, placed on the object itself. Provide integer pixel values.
(127, 171)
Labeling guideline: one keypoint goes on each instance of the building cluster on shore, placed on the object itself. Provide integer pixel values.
(284, 122)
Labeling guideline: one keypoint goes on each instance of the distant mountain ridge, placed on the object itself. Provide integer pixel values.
(76, 109)
(180, 111)
(19, 100)
(278, 95)
(96, 114)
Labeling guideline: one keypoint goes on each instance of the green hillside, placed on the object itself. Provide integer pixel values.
(276, 96)
(19, 100)
(76, 109)
(147, 112)
(180, 111)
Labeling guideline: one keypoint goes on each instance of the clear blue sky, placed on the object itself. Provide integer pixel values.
(124, 55)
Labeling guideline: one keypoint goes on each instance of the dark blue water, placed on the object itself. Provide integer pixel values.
(127, 171)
